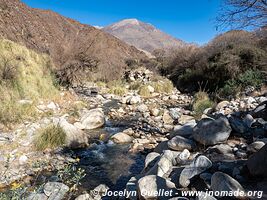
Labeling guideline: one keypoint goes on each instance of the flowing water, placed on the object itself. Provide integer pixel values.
(108, 163)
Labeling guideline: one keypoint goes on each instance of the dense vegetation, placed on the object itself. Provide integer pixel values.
(226, 65)
(25, 78)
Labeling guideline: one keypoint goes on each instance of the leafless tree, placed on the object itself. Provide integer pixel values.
(243, 14)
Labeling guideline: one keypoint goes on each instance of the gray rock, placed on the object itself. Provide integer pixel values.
(161, 147)
(75, 138)
(223, 182)
(93, 119)
(55, 190)
(255, 146)
(149, 185)
(260, 111)
(185, 130)
(248, 120)
(36, 196)
(199, 165)
(257, 163)
(183, 157)
(121, 138)
(179, 143)
(238, 124)
(133, 100)
(164, 165)
(210, 132)
(150, 158)
(221, 149)
(175, 113)
(142, 108)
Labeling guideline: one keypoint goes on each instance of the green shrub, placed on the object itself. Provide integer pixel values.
(201, 102)
(211, 66)
(52, 136)
(249, 78)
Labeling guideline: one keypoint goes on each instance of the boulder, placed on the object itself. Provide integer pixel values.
(238, 124)
(210, 132)
(163, 166)
(55, 190)
(255, 146)
(149, 186)
(75, 138)
(151, 158)
(257, 163)
(179, 143)
(184, 119)
(223, 182)
(260, 111)
(121, 138)
(183, 130)
(161, 147)
(93, 119)
(183, 157)
(199, 165)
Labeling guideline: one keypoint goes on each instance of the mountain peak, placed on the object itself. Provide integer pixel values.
(142, 35)
(126, 22)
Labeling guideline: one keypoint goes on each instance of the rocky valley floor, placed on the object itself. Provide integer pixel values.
(139, 144)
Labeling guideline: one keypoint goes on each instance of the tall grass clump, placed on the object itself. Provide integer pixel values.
(52, 136)
(117, 87)
(24, 74)
(201, 102)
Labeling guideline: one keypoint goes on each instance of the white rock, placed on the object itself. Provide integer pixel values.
(93, 119)
(121, 138)
(23, 159)
(150, 89)
(52, 106)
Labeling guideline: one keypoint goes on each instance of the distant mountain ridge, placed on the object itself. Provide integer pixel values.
(142, 35)
(65, 40)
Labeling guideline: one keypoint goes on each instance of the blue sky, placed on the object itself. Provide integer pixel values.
(189, 20)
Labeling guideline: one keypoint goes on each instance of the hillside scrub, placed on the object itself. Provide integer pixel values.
(228, 56)
(25, 75)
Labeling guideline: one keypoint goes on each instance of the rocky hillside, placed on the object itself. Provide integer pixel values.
(66, 40)
(142, 35)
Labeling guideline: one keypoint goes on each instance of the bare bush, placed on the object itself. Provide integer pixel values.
(76, 72)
